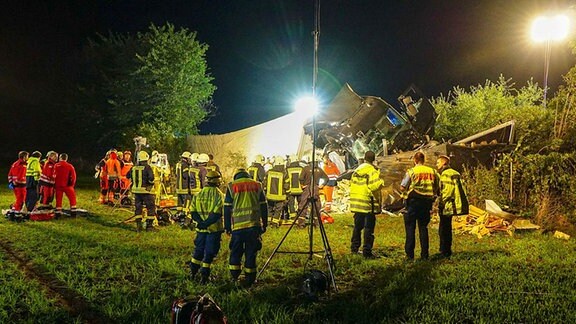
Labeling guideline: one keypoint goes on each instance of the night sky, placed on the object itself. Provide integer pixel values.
(261, 51)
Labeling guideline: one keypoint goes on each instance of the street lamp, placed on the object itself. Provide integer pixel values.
(549, 29)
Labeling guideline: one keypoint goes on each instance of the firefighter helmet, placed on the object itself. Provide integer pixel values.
(213, 177)
(278, 160)
(259, 159)
(194, 157)
(186, 154)
(203, 158)
(143, 156)
(240, 170)
(293, 158)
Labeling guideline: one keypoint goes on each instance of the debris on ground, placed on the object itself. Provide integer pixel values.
(560, 235)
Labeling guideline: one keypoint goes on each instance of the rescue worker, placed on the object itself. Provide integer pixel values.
(256, 170)
(310, 191)
(17, 180)
(126, 165)
(453, 201)
(183, 183)
(202, 171)
(46, 182)
(332, 172)
(142, 178)
(420, 185)
(33, 171)
(113, 170)
(276, 191)
(195, 185)
(103, 176)
(365, 185)
(211, 165)
(64, 182)
(294, 189)
(206, 210)
(245, 218)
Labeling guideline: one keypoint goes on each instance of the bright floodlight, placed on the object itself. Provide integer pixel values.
(546, 29)
(307, 106)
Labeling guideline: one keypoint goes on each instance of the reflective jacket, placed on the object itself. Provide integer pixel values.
(113, 169)
(257, 172)
(275, 190)
(17, 174)
(33, 168)
(293, 175)
(47, 176)
(332, 172)
(245, 197)
(424, 182)
(183, 178)
(209, 202)
(365, 182)
(453, 200)
(142, 179)
(126, 167)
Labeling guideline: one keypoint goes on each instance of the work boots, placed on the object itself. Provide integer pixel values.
(150, 226)
(139, 226)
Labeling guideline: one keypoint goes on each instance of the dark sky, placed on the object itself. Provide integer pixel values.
(261, 51)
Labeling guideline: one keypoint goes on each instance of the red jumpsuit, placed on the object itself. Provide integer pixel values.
(65, 179)
(47, 183)
(17, 175)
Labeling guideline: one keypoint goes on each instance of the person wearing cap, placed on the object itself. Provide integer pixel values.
(33, 171)
(46, 181)
(256, 169)
(420, 186)
(183, 182)
(64, 182)
(245, 219)
(365, 185)
(17, 180)
(276, 189)
(142, 178)
(206, 210)
(453, 201)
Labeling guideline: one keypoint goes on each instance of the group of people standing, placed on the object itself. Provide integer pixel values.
(36, 182)
(421, 186)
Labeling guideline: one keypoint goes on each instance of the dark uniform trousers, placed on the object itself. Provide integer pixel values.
(207, 246)
(141, 200)
(183, 200)
(418, 212)
(31, 193)
(445, 234)
(366, 222)
(245, 242)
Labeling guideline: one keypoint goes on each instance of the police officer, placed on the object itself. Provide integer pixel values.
(33, 171)
(420, 186)
(206, 210)
(245, 218)
(142, 177)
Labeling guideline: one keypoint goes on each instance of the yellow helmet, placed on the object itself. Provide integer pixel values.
(143, 156)
(186, 154)
(213, 177)
(203, 158)
(259, 159)
(278, 160)
(194, 157)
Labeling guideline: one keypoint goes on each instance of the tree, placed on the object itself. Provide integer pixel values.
(154, 84)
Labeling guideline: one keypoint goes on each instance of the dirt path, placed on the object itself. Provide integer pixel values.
(75, 304)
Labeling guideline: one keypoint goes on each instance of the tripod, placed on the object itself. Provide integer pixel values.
(312, 188)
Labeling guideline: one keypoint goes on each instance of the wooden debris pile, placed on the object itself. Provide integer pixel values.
(480, 222)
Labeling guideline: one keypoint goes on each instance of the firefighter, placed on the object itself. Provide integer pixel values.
(420, 186)
(17, 180)
(211, 165)
(183, 183)
(453, 201)
(256, 170)
(33, 171)
(365, 186)
(206, 210)
(103, 176)
(199, 171)
(142, 178)
(276, 191)
(126, 166)
(294, 189)
(46, 182)
(310, 191)
(245, 218)
(114, 171)
(64, 182)
(332, 172)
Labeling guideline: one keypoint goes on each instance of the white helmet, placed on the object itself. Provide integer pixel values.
(186, 154)
(194, 157)
(203, 158)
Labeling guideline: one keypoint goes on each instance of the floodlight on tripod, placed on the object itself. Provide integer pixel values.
(310, 105)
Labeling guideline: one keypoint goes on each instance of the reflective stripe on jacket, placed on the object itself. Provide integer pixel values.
(364, 183)
(422, 180)
(246, 202)
(33, 168)
(142, 179)
(293, 180)
(453, 199)
(275, 185)
(209, 200)
(182, 178)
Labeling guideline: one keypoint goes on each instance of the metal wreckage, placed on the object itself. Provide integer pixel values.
(353, 124)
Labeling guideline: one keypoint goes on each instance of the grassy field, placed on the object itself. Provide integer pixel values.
(95, 269)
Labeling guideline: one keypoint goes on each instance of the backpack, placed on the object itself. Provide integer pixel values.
(203, 311)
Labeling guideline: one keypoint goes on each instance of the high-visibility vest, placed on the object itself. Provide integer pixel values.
(293, 180)
(138, 186)
(422, 180)
(275, 186)
(211, 167)
(454, 199)
(182, 178)
(33, 168)
(209, 200)
(365, 180)
(126, 167)
(253, 171)
(195, 189)
(246, 203)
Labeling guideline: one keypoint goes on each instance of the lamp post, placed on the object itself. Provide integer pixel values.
(548, 29)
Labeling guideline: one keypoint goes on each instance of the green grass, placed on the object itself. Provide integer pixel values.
(133, 278)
